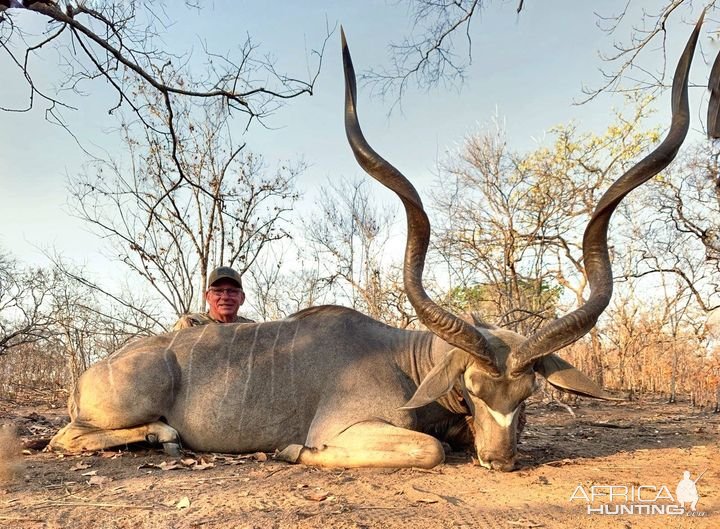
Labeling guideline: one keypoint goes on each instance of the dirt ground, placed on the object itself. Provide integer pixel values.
(646, 443)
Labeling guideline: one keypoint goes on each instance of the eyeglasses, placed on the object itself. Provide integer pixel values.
(229, 292)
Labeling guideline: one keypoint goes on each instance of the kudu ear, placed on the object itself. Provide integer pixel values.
(564, 376)
(440, 380)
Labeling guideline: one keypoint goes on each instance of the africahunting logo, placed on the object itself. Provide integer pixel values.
(612, 500)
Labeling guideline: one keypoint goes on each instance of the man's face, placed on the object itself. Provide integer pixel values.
(224, 298)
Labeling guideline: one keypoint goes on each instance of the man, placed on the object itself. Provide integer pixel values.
(224, 297)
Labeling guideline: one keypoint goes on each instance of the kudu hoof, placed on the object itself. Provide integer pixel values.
(172, 449)
(291, 454)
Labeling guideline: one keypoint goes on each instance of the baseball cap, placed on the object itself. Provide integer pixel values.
(224, 272)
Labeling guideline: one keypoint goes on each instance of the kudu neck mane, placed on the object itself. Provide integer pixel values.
(423, 350)
(419, 353)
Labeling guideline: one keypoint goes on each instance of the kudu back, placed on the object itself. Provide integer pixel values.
(329, 386)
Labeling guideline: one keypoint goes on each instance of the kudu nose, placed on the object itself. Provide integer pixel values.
(494, 462)
(503, 466)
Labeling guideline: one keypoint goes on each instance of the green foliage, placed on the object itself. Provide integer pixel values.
(513, 222)
(538, 299)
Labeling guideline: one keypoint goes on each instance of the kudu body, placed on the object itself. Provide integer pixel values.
(329, 386)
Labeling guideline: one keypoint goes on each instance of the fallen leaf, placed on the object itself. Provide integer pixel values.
(169, 466)
(89, 473)
(202, 465)
(184, 503)
(316, 495)
(99, 480)
(149, 465)
(188, 462)
(80, 466)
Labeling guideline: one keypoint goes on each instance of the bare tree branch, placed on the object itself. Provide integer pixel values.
(115, 42)
(186, 203)
(439, 49)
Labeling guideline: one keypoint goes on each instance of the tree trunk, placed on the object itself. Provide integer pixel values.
(673, 377)
(597, 358)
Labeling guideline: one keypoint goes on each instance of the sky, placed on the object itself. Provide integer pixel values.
(527, 73)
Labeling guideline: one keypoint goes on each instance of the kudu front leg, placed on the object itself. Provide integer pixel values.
(75, 437)
(371, 444)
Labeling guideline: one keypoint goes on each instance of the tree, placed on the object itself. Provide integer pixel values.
(24, 298)
(439, 48)
(511, 224)
(677, 252)
(648, 36)
(170, 213)
(428, 57)
(55, 324)
(286, 282)
(88, 324)
(487, 301)
(350, 245)
(117, 42)
(185, 203)
(650, 345)
(680, 245)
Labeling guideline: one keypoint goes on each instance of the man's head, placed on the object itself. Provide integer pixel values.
(224, 294)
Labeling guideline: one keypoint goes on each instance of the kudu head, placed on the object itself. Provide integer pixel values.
(496, 369)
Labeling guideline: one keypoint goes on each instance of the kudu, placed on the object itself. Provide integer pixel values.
(329, 386)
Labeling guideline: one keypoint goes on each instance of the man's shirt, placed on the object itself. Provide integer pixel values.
(202, 318)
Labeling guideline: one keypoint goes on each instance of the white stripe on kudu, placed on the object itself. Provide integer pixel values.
(503, 419)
